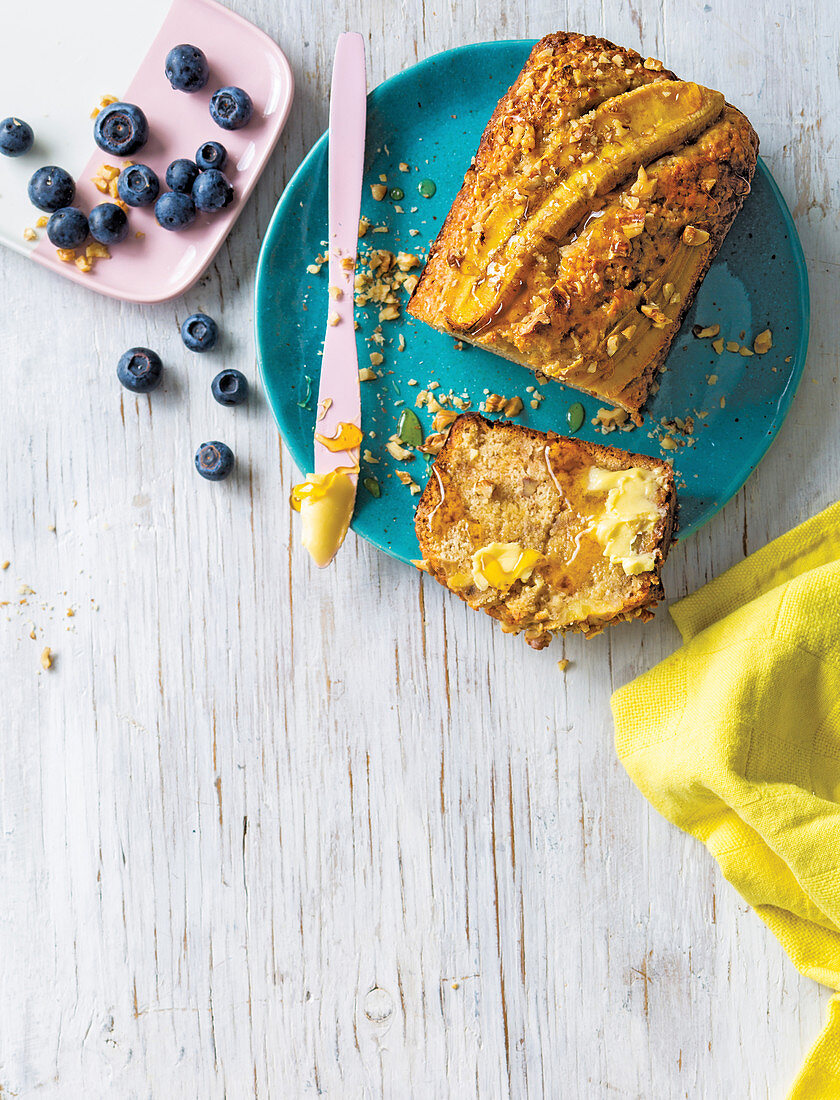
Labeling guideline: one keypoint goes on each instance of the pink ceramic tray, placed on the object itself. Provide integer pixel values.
(161, 264)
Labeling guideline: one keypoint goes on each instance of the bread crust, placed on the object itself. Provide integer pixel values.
(570, 344)
(640, 593)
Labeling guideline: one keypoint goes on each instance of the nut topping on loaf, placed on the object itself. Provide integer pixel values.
(545, 533)
(601, 191)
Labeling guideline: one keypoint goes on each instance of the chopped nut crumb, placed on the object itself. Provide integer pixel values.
(407, 479)
(403, 166)
(395, 450)
(693, 236)
(732, 345)
(705, 333)
(378, 191)
(376, 358)
(713, 379)
(657, 317)
(433, 442)
(718, 345)
(313, 269)
(367, 374)
(41, 223)
(364, 225)
(563, 665)
(335, 293)
(83, 264)
(443, 419)
(97, 251)
(46, 657)
(368, 456)
(764, 342)
(334, 319)
(29, 234)
(610, 420)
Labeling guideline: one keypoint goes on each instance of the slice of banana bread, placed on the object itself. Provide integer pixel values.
(543, 532)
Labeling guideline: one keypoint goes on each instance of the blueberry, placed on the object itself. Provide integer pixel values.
(212, 154)
(230, 387)
(181, 175)
(138, 185)
(51, 188)
(67, 228)
(108, 223)
(16, 137)
(139, 370)
(175, 210)
(231, 108)
(214, 460)
(199, 332)
(186, 68)
(121, 129)
(212, 191)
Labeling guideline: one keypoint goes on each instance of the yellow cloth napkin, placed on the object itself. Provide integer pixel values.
(736, 739)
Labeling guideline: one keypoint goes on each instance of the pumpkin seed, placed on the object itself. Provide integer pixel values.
(372, 486)
(574, 416)
(409, 429)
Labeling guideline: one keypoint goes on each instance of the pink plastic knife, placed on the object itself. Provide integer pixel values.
(338, 391)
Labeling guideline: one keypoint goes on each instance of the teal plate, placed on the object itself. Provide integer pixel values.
(431, 117)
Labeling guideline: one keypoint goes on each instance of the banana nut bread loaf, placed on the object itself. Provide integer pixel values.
(601, 191)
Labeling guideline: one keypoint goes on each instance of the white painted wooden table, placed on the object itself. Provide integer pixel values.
(268, 831)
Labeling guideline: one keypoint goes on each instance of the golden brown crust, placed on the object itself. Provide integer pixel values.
(582, 294)
(503, 482)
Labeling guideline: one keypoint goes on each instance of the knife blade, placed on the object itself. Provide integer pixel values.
(338, 391)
